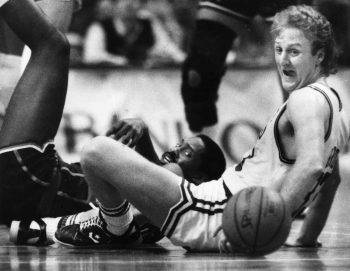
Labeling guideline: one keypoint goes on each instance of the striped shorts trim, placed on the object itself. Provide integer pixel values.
(199, 211)
(40, 148)
(23, 164)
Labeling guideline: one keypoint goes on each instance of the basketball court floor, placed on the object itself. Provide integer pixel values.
(333, 255)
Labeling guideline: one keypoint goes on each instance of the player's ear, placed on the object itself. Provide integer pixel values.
(320, 55)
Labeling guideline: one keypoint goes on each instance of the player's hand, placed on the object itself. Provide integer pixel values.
(224, 245)
(127, 131)
(297, 242)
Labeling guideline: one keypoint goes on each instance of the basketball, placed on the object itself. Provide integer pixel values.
(256, 221)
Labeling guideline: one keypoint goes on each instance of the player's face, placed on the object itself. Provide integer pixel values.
(187, 154)
(295, 63)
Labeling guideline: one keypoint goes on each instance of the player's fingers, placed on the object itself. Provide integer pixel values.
(123, 139)
(295, 243)
(115, 128)
(130, 143)
(217, 231)
(128, 138)
(228, 247)
(112, 136)
(133, 139)
(121, 131)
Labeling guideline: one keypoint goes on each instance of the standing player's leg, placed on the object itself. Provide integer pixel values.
(60, 14)
(217, 26)
(34, 112)
(35, 109)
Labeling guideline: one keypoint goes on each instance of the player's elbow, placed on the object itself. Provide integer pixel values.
(313, 166)
(315, 170)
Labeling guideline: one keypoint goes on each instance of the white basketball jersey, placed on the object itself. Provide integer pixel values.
(265, 164)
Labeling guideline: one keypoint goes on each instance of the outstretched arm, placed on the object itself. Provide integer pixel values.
(308, 114)
(318, 212)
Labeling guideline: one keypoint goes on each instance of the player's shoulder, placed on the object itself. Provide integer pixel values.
(306, 103)
(307, 97)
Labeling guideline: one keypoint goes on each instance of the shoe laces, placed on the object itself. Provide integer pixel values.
(94, 221)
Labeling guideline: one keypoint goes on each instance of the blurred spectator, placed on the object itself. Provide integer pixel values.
(126, 33)
(185, 14)
(164, 12)
(77, 31)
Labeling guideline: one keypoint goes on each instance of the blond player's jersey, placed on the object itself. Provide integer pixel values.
(266, 163)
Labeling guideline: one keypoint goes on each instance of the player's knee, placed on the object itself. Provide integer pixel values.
(92, 153)
(200, 79)
(60, 44)
(55, 43)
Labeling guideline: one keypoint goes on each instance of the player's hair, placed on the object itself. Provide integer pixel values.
(315, 27)
(213, 160)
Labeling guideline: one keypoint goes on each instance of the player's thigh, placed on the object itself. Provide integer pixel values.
(150, 188)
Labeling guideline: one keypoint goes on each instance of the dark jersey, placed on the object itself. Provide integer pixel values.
(35, 182)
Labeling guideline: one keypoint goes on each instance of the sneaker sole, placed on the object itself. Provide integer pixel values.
(102, 246)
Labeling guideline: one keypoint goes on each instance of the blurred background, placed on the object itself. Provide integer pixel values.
(173, 21)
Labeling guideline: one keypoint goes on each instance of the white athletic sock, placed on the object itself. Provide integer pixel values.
(3, 2)
(118, 219)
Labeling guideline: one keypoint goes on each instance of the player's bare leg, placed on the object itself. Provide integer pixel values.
(111, 166)
(118, 176)
(38, 99)
(60, 14)
(33, 114)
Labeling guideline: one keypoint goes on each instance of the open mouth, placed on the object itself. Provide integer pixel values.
(169, 157)
(288, 72)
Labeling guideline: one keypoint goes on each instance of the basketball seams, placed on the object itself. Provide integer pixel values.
(260, 222)
(282, 222)
(256, 236)
(278, 229)
(239, 233)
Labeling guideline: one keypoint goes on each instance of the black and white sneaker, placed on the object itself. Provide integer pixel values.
(29, 232)
(93, 233)
(76, 218)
